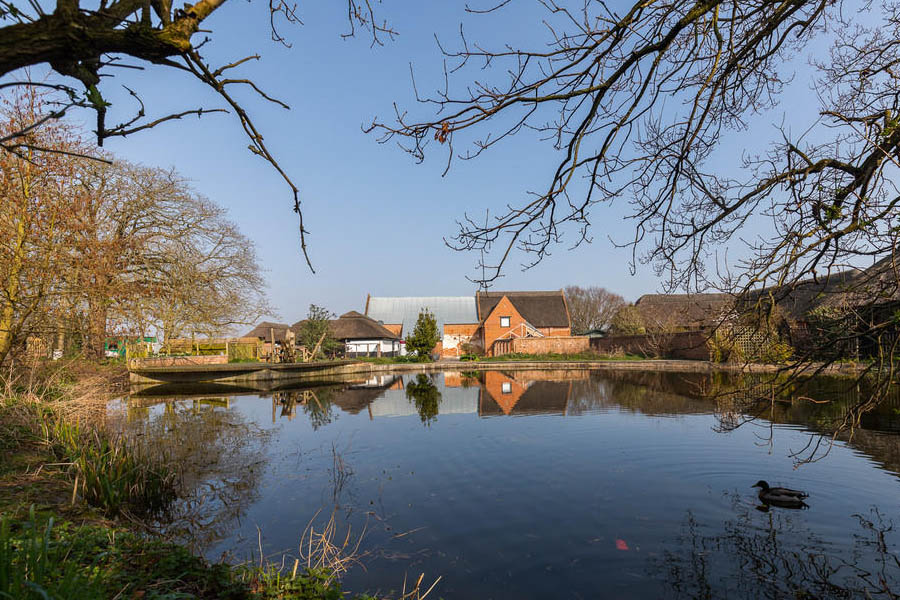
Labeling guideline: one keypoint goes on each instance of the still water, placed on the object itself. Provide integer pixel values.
(540, 484)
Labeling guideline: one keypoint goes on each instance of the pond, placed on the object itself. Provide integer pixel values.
(539, 484)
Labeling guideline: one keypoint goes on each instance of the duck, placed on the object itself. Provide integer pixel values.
(779, 496)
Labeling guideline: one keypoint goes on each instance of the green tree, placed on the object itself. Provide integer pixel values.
(316, 327)
(425, 395)
(425, 335)
(628, 321)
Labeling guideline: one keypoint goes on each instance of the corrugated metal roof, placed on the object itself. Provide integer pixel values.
(405, 310)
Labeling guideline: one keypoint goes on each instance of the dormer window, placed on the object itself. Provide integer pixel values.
(504, 321)
(506, 387)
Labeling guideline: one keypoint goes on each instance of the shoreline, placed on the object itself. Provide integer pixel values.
(266, 377)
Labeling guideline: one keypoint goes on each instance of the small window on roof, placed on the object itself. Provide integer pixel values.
(504, 321)
(506, 387)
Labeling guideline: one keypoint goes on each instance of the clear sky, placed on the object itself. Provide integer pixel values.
(377, 219)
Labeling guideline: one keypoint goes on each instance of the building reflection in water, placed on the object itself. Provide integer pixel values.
(569, 393)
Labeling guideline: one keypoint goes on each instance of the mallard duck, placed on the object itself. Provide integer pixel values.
(779, 496)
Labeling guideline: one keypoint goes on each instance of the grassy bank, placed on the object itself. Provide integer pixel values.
(551, 357)
(75, 501)
(394, 360)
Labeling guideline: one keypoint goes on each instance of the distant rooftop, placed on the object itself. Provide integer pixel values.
(541, 309)
(405, 310)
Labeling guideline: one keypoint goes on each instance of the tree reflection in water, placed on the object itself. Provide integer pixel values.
(317, 405)
(220, 457)
(768, 555)
(425, 395)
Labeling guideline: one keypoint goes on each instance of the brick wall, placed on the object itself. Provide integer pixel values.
(556, 331)
(686, 345)
(550, 345)
(178, 361)
(455, 335)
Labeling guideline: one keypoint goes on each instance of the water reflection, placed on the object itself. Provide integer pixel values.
(507, 483)
(424, 394)
(220, 456)
(773, 556)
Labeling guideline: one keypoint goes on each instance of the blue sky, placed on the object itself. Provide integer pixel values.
(377, 219)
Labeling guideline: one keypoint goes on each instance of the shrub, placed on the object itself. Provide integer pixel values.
(776, 353)
(724, 349)
(424, 336)
(628, 321)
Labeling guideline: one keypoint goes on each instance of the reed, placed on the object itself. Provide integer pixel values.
(111, 473)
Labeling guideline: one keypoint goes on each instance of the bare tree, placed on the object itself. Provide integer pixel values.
(591, 307)
(151, 251)
(34, 216)
(87, 40)
(638, 102)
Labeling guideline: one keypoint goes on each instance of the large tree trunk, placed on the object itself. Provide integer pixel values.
(97, 314)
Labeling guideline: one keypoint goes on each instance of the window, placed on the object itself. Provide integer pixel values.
(504, 321)
(506, 387)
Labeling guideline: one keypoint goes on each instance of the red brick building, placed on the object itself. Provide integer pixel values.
(508, 315)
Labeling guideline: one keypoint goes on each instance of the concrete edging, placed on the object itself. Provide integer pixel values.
(256, 372)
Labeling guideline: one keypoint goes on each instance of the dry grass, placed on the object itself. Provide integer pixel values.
(323, 549)
(417, 592)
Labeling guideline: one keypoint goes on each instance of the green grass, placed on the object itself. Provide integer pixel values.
(41, 558)
(392, 360)
(111, 473)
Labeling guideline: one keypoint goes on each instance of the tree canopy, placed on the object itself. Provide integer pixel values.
(90, 248)
(591, 307)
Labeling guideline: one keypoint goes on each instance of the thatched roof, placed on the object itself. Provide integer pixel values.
(689, 311)
(541, 309)
(264, 329)
(353, 326)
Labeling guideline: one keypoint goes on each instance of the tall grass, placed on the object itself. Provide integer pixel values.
(33, 565)
(67, 422)
(109, 472)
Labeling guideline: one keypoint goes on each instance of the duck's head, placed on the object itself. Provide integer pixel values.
(761, 484)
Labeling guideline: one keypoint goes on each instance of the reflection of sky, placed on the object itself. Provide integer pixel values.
(517, 507)
(394, 403)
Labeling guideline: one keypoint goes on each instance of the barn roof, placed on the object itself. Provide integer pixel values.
(404, 310)
(853, 287)
(541, 309)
